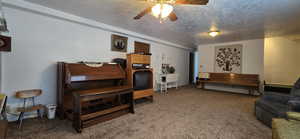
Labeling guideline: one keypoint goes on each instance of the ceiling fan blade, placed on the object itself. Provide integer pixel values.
(143, 13)
(173, 16)
(192, 2)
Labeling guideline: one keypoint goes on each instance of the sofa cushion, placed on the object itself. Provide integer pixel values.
(276, 97)
(296, 89)
(277, 109)
(297, 84)
(284, 129)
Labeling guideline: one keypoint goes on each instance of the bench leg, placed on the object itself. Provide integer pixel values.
(251, 92)
(77, 123)
(151, 98)
(20, 120)
(131, 100)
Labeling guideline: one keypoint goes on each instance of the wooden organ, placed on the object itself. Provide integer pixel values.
(92, 93)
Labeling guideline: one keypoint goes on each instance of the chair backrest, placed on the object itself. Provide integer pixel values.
(3, 99)
(296, 89)
(159, 78)
(28, 93)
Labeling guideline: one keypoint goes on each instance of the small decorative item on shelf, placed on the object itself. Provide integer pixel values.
(164, 68)
(171, 69)
(167, 69)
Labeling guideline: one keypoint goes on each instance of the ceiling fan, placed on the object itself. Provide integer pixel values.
(164, 8)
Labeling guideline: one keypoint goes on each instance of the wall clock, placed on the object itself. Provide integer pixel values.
(5, 43)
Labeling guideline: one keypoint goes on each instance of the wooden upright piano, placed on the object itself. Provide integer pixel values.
(92, 93)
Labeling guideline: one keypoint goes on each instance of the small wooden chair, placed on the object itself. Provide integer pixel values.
(29, 95)
(162, 83)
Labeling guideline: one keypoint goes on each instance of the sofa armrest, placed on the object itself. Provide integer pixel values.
(276, 97)
(294, 104)
(293, 115)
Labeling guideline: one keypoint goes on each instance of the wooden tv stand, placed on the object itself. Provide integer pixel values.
(139, 59)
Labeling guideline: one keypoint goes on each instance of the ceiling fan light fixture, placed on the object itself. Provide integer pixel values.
(156, 10)
(214, 33)
(161, 10)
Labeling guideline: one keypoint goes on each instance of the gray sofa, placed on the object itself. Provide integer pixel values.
(275, 105)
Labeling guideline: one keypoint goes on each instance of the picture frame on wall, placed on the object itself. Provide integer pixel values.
(228, 58)
(141, 48)
(5, 43)
(119, 43)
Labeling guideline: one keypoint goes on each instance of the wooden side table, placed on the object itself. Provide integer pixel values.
(3, 118)
(3, 128)
(172, 79)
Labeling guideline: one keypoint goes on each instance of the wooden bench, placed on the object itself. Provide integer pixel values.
(84, 100)
(250, 81)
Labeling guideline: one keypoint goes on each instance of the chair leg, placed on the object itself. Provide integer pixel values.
(39, 114)
(20, 120)
(163, 88)
(20, 116)
(166, 88)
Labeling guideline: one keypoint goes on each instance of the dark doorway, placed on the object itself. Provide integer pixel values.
(191, 70)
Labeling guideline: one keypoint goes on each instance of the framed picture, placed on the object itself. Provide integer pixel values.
(118, 43)
(141, 48)
(5, 43)
(228, 59)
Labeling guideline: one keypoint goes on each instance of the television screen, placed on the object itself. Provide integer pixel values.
(142, 80)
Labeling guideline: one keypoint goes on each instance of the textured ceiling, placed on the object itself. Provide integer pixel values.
(236, 19)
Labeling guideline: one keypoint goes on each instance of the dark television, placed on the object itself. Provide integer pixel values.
(142, 80)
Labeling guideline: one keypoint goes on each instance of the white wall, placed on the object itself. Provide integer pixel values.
(282, 64)
(252, 63)
(39, 41)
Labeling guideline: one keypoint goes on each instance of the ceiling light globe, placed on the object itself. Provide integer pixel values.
(161, 10)
(214, 33)
(156, 10)
(166, 10)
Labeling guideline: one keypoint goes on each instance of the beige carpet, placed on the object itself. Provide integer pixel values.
(186, 113)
